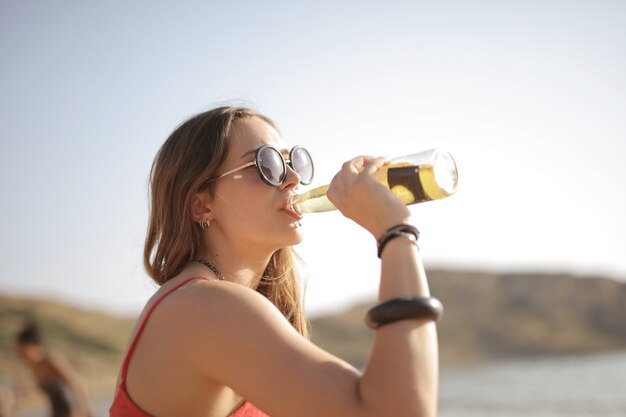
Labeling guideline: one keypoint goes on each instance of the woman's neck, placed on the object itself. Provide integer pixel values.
(243, 267)
(237, 260)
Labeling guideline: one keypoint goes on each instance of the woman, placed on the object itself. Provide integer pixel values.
(225, 334)
(65, 391)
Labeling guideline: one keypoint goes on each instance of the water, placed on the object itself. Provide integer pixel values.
(557, 387)
(574, 386)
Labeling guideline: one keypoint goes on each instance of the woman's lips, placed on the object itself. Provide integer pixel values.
(291, 209)
(294, 203)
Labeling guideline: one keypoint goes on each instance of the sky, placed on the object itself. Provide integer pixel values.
(528, 97)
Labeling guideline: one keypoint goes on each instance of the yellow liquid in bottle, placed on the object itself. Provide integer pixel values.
(410, 183)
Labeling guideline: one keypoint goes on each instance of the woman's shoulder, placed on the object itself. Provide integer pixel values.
(207, 293)
(204, 303)
(220, 317)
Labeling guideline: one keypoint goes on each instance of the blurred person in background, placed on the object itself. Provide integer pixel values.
(225, 334)
(62, 386)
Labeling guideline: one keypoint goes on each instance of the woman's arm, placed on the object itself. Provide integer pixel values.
(401, 377)
(403, 366)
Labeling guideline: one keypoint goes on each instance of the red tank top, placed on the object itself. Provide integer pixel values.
(124, 406)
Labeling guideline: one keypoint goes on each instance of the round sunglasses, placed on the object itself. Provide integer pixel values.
(272, 167)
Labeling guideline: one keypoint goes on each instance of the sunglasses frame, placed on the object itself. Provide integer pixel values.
(255, 162)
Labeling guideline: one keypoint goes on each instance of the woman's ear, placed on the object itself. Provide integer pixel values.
(201, 207)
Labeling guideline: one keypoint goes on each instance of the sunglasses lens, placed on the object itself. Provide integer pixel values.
(271, 166)
(302, 163)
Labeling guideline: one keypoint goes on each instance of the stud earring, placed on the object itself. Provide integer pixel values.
(205, 224)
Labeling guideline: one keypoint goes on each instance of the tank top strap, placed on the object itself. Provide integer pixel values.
(133, 343)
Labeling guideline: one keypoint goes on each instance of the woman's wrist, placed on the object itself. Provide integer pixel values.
(379, 229)
(402, 231)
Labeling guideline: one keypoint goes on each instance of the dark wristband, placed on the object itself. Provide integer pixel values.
(394, 232)
(404, 308)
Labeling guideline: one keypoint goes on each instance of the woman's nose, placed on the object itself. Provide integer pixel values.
(292, 178)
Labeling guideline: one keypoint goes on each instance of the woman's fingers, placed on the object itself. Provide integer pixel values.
(352, 171)
(348, 175)
(355, 166)
(374, 165)
(360, 196)
(364, 164)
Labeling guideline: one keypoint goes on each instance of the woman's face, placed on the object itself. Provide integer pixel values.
(246, 209)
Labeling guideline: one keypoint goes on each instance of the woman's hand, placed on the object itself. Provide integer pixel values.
(360, 197)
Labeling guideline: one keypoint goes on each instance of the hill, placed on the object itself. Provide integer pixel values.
(497, 316)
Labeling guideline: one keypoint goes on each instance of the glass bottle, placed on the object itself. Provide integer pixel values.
(416, 178)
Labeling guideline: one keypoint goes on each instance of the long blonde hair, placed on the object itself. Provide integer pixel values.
(192, 154)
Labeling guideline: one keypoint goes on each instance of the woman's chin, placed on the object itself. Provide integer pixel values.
(298, 234)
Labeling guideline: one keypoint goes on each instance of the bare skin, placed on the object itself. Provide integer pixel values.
(212, 343)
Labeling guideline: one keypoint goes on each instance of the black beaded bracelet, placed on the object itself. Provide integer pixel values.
(402, 309)
(394, 232)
